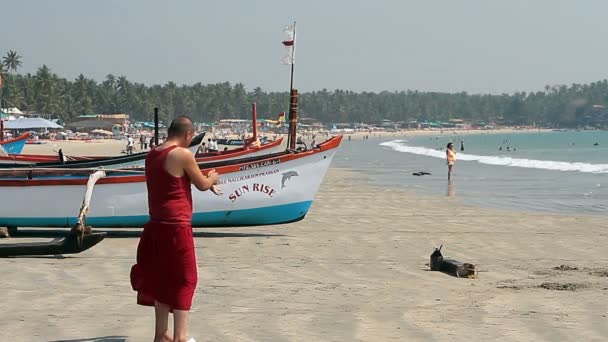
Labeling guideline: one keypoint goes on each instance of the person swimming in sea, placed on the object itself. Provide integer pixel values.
(451, 159)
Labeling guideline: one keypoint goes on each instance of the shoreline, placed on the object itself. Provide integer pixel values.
(112, 147)
(447, 132)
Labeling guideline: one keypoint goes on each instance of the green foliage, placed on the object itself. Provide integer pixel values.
(46, 92)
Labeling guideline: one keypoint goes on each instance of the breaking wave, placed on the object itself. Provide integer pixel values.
(398, 145)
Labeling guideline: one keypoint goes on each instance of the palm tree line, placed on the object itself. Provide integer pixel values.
(46, 92)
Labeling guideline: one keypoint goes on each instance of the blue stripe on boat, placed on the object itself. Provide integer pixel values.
(245, 217)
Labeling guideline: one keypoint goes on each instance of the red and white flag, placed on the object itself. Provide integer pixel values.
(289, 41)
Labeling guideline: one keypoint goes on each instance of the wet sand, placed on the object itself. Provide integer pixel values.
(353, 270)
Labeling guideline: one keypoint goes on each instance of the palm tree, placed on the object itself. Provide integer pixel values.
(1, 74)
(1, 85)
(46, 87)
(12, 61)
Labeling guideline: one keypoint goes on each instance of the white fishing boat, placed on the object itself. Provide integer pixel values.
(257, 191)
(263, 190)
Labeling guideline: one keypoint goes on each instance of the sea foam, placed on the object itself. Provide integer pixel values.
(398, 145)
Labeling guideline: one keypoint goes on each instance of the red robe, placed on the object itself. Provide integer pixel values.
(166, 269)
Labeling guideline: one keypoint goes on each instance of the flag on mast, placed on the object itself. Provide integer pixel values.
(290, 45)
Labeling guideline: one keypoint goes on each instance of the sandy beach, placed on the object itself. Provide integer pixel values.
(353, 270)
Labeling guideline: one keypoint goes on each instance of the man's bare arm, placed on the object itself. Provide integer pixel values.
(197, 178)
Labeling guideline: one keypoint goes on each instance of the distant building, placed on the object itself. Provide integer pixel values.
(16, 113)
(120, 119)
(89, 125)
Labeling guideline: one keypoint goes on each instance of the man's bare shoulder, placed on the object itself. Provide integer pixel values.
(180, 154)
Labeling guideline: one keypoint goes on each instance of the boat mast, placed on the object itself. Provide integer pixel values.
(254, 120)
(155, 126)
(2, 105)
(293, 98)
(293, 55)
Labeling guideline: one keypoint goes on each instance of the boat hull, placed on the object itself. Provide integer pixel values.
(15, 146)
(264, 192)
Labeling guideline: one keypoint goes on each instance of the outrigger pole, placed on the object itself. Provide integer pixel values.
(79, 239)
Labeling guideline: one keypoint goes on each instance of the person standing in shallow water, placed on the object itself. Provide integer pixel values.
(165, 275)
(451, 158)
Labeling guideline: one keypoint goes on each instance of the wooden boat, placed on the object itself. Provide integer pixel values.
(33, 159)
(138, 159)
(267, 148)
(236, 142)
(124, 161)
(263, 190)
(15, 145)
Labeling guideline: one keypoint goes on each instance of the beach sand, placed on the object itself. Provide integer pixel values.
(105, 147)
(353, 270)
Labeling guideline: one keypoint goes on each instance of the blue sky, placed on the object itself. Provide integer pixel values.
(478, 46)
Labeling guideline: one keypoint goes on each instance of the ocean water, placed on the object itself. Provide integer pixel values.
(560, 172)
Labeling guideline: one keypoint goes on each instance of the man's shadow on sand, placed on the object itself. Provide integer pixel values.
(97, 339)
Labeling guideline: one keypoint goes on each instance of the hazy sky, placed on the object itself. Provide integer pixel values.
(466, 45)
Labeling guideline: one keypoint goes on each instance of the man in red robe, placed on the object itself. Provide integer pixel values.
(165, 275)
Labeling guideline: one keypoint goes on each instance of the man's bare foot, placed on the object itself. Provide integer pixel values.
(165, 338)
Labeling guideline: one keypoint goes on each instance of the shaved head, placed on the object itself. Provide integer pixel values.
(179, 126)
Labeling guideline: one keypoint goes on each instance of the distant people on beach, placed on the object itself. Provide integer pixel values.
(130, 144)
(451, 159)
(202, 149)
(211, 145)
(461, 146)
(142, 140)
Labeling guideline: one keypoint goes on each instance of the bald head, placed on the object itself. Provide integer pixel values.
(179, 126)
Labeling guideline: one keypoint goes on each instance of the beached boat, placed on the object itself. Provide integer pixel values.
(134, 160)
(246, 151)
(237, 142)
(123, 161)
(15, 145)
(257, 191)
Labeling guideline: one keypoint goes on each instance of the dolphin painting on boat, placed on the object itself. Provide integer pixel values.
(287, 176)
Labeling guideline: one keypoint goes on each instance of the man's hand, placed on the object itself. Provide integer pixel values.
(216, 190)
(213, 176)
